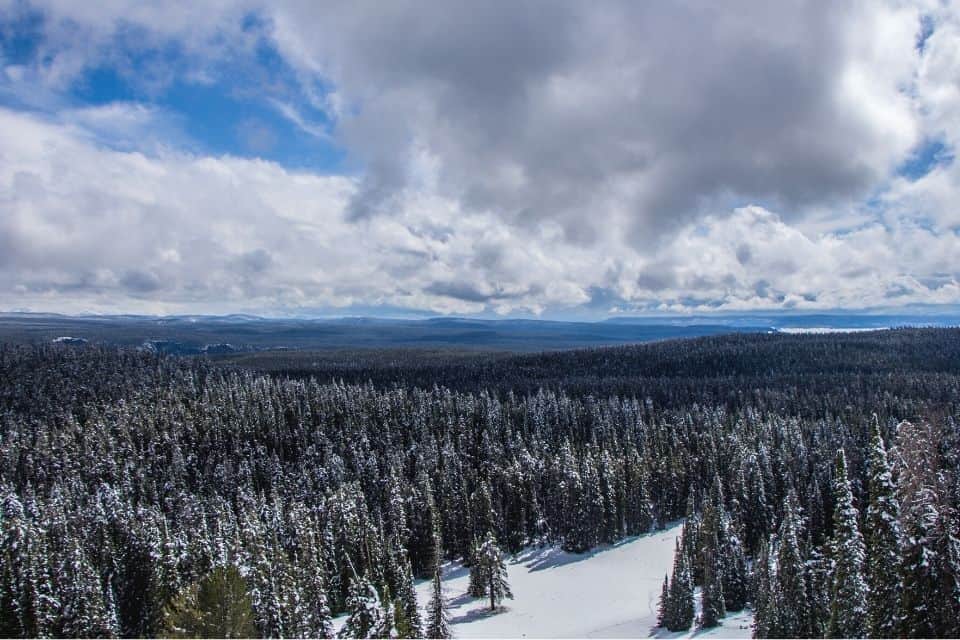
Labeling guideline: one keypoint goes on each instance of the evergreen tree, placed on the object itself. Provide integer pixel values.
(882, 530)
(664, 606)
(849, 589)
(218, 606)
(918, 567)
(792, 611)
(493, 570)
(82, 610)
(765, 599)
(407, 612)
(947, 547)
(681, 591)
(477, 587)
(819, 575)
(711, 596)
(367, 617)
(438, 623)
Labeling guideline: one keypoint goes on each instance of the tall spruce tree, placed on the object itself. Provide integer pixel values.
(477, 587)
(849, 589)
(406, 610)
(882, 539)
(367, 617)
(947, 546)
(918, 617)
(792, 613)
(765, 589)
(711, 595)
(664, 606)
(681, 591)
(493, 570)
(438, 621)
(217, 606)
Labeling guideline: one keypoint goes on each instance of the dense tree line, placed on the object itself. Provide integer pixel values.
(133, 484)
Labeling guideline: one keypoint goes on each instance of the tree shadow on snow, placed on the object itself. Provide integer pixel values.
(453, 571)
(478, 614)
(460, 600)
(540, 558)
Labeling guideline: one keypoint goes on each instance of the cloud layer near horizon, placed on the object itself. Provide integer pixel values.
(557, 158)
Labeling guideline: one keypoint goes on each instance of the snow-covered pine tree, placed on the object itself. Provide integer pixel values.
(494, 570)
(711, 595)
(849, 589)
(947, 546)
(367, 617)
(477, 588)
(690, 538)
(664, 613)
(438, 622)
(406, 611)
(81, 601)
(681, 591)
(792, 612)
(918, 619)
(765, 600)
(818, 577)
(882, 539)
(919, 516)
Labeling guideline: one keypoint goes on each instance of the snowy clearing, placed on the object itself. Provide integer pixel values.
(611, 592)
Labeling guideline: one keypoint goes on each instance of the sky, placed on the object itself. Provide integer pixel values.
(507, 159)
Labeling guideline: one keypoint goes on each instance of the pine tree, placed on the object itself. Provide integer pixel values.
(407, 612)
(919, 561)
(81, 598)
(477, 587)
(218, 606)
(882, 530)
(438, 623)
(711, 596)
(818, 576)
(919, 515)
(849, 589)
(681, 591)
(765, 599)
(493, 570)
(792, 619)
(367, 617)
(664, 606)
(947, 547)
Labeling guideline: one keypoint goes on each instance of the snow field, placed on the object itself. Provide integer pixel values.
(610, 592)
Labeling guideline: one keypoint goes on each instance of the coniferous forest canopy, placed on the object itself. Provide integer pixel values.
(147, 495)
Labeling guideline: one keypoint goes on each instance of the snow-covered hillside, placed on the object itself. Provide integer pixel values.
(611, 592)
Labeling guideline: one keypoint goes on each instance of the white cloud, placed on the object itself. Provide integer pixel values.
(548, 157)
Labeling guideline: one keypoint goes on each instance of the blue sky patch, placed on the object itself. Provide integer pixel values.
(924, 159)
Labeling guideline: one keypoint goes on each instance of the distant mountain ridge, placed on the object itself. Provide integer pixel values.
(197, 334)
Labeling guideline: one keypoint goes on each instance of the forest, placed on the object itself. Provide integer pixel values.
(149, 495)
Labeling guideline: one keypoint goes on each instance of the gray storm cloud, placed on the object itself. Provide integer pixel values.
(644, 114)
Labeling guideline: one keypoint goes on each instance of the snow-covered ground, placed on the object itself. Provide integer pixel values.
(796, 330)
(611, 592)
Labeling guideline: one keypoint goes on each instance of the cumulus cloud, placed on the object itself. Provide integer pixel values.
(536, 157)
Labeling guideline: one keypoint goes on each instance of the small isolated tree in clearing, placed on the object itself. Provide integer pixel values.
(218, 606)
(493, 570)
